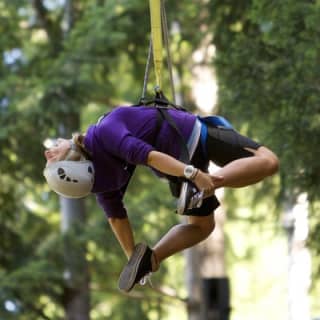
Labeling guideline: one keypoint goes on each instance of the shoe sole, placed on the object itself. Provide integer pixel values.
(129, 273)
(184, 204)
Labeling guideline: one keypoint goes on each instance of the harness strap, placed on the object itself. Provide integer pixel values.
(184, 152)
(174, 182)
(156, 32)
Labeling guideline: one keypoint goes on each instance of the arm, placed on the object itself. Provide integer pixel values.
(124, 234)
(111, 203)
(169, 165)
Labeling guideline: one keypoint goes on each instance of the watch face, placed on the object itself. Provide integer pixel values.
(188, 171)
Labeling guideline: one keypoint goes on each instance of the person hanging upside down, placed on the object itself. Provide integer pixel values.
(102, 161)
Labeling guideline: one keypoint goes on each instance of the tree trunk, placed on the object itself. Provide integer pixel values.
(76, 275)
(76, 293)
(295, 222)
(206, 269)
(215, 293)
(192, 256)
(207, 283)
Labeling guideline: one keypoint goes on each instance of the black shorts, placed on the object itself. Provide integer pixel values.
(222, 146)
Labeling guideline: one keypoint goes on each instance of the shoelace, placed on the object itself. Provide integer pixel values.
(146, 278)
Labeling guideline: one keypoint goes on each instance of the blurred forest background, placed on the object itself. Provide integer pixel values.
(64, 63)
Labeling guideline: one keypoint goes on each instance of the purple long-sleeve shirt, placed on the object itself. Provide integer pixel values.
(126, 136)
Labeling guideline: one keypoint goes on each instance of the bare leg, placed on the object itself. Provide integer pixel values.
(183, 236)
(238, 173)
(247, 171)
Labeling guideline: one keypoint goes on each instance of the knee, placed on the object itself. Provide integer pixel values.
(207, 228)
(204, 225)
(270, 161)
(272, 164)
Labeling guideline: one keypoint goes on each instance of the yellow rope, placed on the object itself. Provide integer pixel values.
(156, 35)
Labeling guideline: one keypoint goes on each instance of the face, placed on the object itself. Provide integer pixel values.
(58, 151)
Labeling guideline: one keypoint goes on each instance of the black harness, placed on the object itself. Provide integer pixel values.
(162, 105)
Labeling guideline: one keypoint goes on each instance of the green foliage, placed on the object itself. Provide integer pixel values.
(25, 266)
(267, 70)
(267, 67)
(54, 75)
(52, 72)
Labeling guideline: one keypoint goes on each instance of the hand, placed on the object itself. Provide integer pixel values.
(208, 183)
(217, 180)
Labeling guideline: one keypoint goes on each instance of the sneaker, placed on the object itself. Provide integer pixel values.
(137, 268)
(190, 198)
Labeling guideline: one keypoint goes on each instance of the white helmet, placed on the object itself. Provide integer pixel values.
(71, 179)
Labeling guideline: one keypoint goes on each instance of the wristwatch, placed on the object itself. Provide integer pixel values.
(189, 171)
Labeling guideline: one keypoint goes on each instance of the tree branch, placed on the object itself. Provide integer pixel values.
(53, 30)
(42, 15)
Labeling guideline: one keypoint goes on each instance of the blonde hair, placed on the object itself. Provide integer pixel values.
(77, 149)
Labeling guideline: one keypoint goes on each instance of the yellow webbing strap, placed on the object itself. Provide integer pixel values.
(156, 35)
